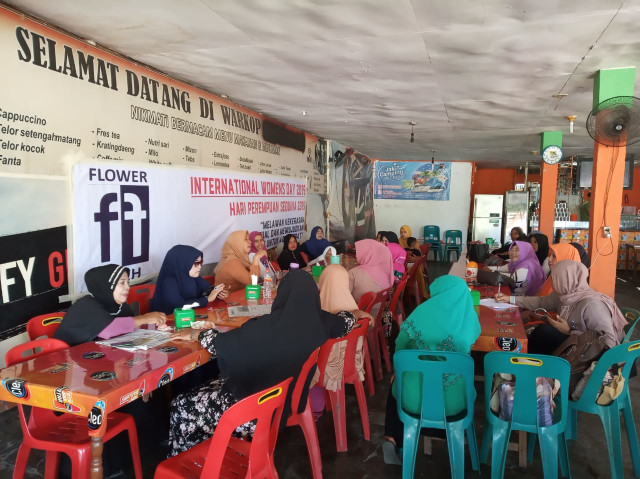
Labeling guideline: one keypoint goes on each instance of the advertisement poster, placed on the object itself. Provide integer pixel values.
(412, 180)
(351, 216)
(133, 215)
(33, 274)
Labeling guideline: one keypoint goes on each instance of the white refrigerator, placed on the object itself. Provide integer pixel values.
(487, 218)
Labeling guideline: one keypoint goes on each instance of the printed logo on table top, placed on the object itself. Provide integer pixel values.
(166, 377)
(96, 414)
(93, 355)
(17, 387)
(63, 399)
(508, 344)
(192, 366)
(103, 375)
(168, 349)
(57, 368)
(133, 395)
(133, 361)
(123, 217)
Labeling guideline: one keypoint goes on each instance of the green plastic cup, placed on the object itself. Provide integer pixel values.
(475, 295)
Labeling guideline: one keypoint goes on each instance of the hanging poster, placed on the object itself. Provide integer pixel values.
(412, 180)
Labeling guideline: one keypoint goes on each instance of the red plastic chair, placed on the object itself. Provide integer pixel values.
(142, 295)
(275, 265)
(65, 433)
(227, 456)
(376, 337)
(365, 302)
(395, 306)
(305, 419)
(44, 325)
(305, 257)
(349, 376)
(210, 279)
(424, 249)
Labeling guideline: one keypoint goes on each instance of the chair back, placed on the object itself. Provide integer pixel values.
(211, 279)
(298, 403)
(527, 368)
(625, 352)
(435, 369)
(451, 237)
(44, 325)
(349, 370)
(275, 265)
(378, 301)
(631, 315)
(431, 233)
(365, 300)
(142, 295)
(395, 306)
(266, 407)
(425, 248)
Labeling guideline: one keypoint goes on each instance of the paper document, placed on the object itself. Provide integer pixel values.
(138, 339)
(493, 304)
(252, 310)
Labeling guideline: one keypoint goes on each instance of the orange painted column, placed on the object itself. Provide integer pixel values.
(548, 185)
(607, 183)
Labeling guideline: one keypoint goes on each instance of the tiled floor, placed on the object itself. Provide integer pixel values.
(588, 455)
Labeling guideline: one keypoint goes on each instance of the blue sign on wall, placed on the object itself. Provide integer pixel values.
(412, 180)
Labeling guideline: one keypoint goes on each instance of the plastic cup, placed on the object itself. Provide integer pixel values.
(335, 260)
(475, 295)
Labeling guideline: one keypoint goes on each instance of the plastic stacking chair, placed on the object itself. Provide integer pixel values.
(413, 287)
(527, 368)
(304, 417)
(349, 376)
(375, 336)
(424, 249)
(610, 415)
(452, 242)
(432, 366)
(142, 295)
(395, 306)
(225, 456)
(631, 315)
(432, 237)
(65, 433)
(44, 325)
(365, 305)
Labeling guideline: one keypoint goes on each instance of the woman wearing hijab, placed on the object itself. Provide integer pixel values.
(290, 254)
(257, 244)
(405, 233)
(389, 237)
(579, 309)
(316, 245)
(584, 257)
(516, 234)
(179, 282)
(234, 268)
(259, 354)
(540, 244)
(105, 312)
(374, 271)
(398, 256)
(558, 252)
(447, 321)
(524, 268)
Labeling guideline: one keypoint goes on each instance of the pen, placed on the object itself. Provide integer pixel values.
(498, 288)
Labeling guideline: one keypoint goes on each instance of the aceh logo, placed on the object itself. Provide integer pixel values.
(127, 210)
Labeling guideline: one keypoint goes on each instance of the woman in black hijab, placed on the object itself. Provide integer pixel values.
(540, 244)
(261, 353)
(290, 253)
(389, 237)
(105, 313)
(584, 257)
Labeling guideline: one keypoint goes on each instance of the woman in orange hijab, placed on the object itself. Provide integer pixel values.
(234, 268)
(558, 252)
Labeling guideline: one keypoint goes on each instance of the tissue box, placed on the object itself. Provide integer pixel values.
(316, 270)
(183, 317)
(252, 291)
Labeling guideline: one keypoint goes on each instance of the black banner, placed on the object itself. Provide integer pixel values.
(33, 274)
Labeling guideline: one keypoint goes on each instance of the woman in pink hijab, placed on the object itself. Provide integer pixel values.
(398, 255)
(374, 271)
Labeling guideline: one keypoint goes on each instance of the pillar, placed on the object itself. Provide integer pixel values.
(606, 184)
(548, 185)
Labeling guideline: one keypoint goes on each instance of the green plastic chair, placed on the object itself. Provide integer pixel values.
(526, 368)
(433, 366)
(431, 235)
(631, 315)
(610, 415)
(451, 243)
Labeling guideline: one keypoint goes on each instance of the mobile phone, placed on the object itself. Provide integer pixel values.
(201, 316)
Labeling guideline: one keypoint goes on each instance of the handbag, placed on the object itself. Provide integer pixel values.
(477, 252)
(580, 350)
(493, 278)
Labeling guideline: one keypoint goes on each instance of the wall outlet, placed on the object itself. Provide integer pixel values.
(606, 230)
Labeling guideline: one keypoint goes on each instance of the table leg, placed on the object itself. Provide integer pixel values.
(522, 448)
(95, 470)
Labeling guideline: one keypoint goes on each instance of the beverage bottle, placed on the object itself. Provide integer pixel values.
(267, 286)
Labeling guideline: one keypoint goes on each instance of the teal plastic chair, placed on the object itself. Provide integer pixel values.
(452, 242)
(433, 366)
(526, 368)
(431, 235)
(610, 415)
(631, 315)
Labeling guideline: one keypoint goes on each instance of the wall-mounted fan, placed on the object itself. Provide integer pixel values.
(616, 121)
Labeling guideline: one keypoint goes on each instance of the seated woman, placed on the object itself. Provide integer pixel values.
(447, 321)
(260, 353)
(584, 257)
(105, 312)
(405, 233)
(179, 282)
(374, 271)
(379, 236)
(290, 253)
(558, 252)
(524, 268)
(398, 256)
(579, 309)
(389, 237)
(316, 245)
(540, 244)
(516, 235)
(234, 268)
(257, 244)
